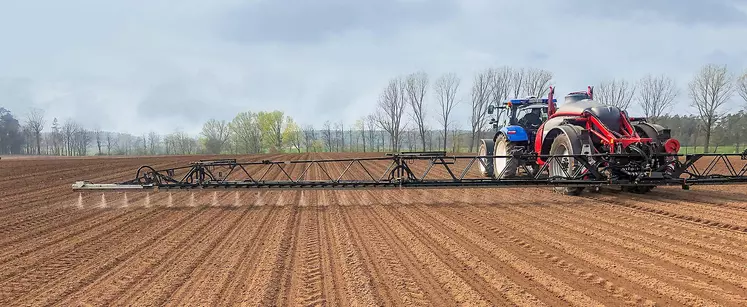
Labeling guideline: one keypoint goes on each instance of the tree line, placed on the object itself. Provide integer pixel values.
(404, 109)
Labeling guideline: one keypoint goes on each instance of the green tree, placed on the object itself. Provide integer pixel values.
(246, 133)
(292, 134)
(271, 126)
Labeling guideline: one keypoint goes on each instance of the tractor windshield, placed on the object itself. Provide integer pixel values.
(531, 117)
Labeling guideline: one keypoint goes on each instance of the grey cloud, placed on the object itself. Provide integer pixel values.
(686, 12)
(300, 21)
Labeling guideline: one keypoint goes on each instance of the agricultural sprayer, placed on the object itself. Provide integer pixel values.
(580, 145)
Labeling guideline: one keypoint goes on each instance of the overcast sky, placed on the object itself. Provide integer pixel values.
(158, 65)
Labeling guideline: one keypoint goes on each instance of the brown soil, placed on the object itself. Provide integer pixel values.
(473, 247)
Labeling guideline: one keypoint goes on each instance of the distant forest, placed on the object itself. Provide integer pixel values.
(400, 121)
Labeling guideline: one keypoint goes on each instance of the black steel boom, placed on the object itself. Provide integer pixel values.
(419, 170)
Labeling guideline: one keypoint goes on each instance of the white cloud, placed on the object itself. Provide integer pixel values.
(156, 65)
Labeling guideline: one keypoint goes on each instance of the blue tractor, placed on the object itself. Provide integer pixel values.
(521, 119)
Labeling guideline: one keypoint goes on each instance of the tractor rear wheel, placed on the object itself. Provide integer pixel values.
(504, 167)
(564, 166)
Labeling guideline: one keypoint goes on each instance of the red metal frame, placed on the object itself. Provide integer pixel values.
(625, 137)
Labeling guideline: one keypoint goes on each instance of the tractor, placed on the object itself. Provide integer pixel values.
(624, 147)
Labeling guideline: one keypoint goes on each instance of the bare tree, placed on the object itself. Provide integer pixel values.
(308, 137)
(327, 135)
(56, 137)
(446, 88)
(501, 87)
(68, 129)
(742, 87)
(617, 93)
(391, 108)
(517, 81)
(361, 123)
(536, 82)
(372, 132)
(481, 97)
(656, 95)
(111, 142)
(216, 135)
(153, 140)
(710, 89)
(97, 133)
(417, 86)
(35, 122)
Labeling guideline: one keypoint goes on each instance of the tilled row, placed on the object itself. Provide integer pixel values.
(479, 247)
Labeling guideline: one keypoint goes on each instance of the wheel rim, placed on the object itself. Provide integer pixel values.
(500, 163)
(560, 166)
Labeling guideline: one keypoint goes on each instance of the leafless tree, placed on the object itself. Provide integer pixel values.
(327, 135)
(308, 137)
(501, 87)
(391, 107)
(216, 135)
(518, 77)
(99, 140)
(372, 132)
(742, 87)
(153, 140)
(69, 128)
(656, 95)
(536, 82)
(709, 90)
(481, 97)
(35, 122)
(618, 93)
(111, 142)
(417, 86)
(445, 89)
(56, 137)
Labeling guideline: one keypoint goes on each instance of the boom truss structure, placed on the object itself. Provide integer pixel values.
(430, 170)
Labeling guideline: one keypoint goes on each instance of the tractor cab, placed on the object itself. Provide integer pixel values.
(528, 114)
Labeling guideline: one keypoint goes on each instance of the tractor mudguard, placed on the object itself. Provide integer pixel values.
(514, 134)
(578, 136)
(657, 132)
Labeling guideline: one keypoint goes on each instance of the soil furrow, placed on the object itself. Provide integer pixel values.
(253, 276)
(466, 242)
(463, 284)
(119, 281)
(666, 265)
(600, 255)
(179, 269)
(539, 252)
(107, 260)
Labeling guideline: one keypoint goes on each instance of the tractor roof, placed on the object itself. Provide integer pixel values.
(529, 101)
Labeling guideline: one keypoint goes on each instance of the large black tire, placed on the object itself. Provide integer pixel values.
(486, 149)
(504, 167)
(562, 145)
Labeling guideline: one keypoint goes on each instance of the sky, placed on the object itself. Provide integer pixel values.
(137, 66)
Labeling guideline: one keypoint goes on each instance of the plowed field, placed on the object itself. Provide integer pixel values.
(472, 247)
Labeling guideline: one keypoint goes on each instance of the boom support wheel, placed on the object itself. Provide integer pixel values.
(486, 164)
(564, 167)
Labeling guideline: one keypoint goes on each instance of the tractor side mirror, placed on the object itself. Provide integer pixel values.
(491, 109)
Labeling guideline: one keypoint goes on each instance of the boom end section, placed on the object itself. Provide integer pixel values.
(86, 186)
